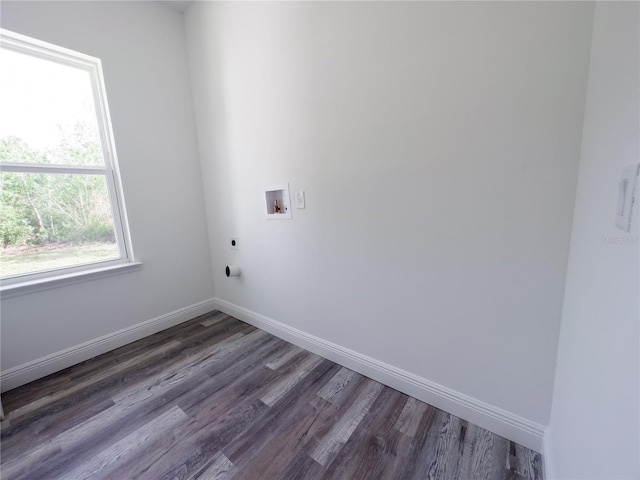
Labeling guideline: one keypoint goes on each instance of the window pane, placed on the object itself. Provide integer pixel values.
(54, 220)
(48, 113)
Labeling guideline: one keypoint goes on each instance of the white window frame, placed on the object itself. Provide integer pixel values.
(47, 51)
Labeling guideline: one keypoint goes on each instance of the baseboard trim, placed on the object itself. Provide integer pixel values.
(41, 367)
(504, 423)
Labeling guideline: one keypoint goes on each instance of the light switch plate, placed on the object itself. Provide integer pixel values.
(626, 196)
(300, 199)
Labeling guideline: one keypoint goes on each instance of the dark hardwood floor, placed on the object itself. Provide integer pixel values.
(215, 398)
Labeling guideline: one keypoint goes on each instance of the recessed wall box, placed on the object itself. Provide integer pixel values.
(277, 202)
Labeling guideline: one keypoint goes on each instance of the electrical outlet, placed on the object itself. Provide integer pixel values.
(233, 242)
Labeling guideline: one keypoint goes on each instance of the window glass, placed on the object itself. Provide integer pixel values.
(50, 108)
(61, 205)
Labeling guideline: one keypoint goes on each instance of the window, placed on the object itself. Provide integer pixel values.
(61, 204)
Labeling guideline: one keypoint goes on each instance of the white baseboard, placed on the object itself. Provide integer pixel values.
(41, 367)
(494, 419)
(548, 465)
(504, 423)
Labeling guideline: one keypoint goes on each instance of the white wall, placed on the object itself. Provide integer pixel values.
(142, 47)
(593, 431)
(438, 146)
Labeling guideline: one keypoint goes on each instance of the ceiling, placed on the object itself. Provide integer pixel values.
(179, 5)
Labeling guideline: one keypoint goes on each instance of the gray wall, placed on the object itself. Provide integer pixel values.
(593, 432)
(142, 47)
(438, 146)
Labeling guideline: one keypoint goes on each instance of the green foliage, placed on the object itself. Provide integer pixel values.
(41, 208)
(94, 232)
(14, 229)
(13, 149)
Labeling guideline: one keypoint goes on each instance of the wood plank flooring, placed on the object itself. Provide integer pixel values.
(215, 398)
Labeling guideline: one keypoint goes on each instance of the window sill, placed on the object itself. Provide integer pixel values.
(33, 286)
